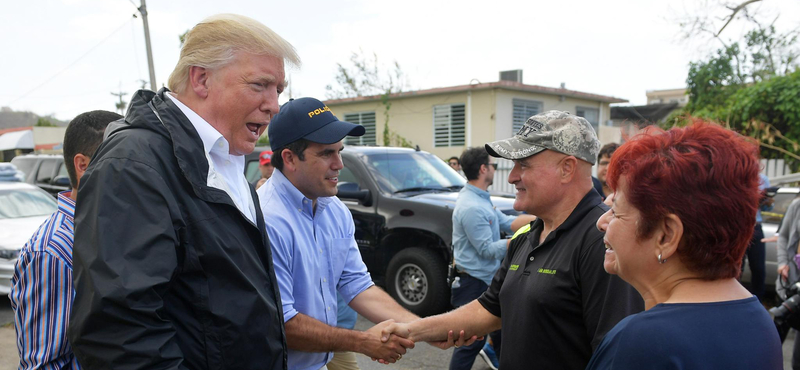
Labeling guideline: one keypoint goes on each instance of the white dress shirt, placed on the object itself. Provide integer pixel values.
(225, 171)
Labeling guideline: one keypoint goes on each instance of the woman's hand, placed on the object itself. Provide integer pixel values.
(783, 271)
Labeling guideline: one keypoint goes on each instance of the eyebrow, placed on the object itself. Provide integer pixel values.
(328, 151)
(268, 79)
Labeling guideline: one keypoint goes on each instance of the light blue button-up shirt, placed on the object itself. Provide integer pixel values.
(762, 184)
(477, 246)
(314, 255)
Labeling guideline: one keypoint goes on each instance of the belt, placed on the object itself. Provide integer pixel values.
(461, 273)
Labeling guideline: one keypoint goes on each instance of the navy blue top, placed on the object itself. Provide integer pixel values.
(598, 185)
(720, 335)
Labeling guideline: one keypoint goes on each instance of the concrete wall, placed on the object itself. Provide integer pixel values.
(488, 115)
(412, 118)
(48, 135)
(505, 107)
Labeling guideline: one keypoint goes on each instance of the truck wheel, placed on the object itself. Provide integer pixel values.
(417, 279)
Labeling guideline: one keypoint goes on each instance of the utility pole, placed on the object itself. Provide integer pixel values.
(143, 10)
(121, 105)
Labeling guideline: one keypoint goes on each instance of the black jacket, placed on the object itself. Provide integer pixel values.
(168, 273)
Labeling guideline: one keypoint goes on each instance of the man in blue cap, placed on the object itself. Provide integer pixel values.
(312, 238)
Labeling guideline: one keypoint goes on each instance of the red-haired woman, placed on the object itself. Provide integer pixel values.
(683, 210)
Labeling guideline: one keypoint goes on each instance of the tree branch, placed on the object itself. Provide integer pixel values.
(733, 14)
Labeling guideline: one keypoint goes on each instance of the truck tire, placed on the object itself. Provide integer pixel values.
(417, 279)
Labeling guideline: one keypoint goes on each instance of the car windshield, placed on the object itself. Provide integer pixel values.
(18, 203)
(413, 171)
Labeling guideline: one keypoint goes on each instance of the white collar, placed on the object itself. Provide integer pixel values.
(208, 134)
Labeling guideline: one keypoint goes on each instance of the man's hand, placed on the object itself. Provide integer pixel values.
(387, 349)
(458, 342)
(404, 330)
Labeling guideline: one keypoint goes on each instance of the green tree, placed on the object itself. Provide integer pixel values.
(367, 77)
(751, 84)
(712, 82)
(769, 111)
(44, 122)
(182, 37)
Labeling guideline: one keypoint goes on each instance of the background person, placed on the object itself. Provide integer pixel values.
(756, 250)
(172, 263)
(41, 288)
(455, 163)
(265, 167)
(788, 244)
(603, 159)
(551, 295)
(682, 259)
(477, 247)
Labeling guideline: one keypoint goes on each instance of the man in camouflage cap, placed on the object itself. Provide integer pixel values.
(557, 302)
(554, 130)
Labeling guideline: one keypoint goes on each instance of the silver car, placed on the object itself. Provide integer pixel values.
(771, 221)
(23, 208)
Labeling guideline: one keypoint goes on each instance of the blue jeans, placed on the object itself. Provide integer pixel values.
(470, 289)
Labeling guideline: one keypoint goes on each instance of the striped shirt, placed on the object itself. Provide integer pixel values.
(41, 292)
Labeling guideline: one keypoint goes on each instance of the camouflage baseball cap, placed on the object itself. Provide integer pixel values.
(554, 130)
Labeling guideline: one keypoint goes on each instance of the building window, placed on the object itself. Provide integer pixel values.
(366, 119)
(448, 125)
(591, 114)
(524, 109)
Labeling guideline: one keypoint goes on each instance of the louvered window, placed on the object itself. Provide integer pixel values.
(366, 119)
(524, 109)
(591, 114)
(448, 125)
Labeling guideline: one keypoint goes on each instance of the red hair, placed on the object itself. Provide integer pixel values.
(707, 176)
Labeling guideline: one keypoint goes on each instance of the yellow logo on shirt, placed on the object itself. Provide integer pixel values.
(513, 268)
(546, 271)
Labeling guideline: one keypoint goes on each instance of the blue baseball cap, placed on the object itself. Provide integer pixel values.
(310, 119)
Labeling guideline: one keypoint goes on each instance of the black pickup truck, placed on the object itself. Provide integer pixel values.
(402, 204)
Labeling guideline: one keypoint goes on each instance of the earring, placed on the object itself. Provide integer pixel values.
(661, 261)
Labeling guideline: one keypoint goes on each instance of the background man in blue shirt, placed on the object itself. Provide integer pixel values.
(756, 251)
(41, 289)
(477, 247)
(313, 245)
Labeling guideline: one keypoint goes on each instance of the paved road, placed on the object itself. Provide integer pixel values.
(421, 357)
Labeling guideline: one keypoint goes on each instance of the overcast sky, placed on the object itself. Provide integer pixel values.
(64, 57)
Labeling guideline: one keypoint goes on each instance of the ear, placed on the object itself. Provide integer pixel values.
(668, 236)
(81, 163)
(289, 161)
(568, 168)
(198, 80)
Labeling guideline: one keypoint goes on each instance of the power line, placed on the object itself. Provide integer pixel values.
(135, 53)
(70, 65)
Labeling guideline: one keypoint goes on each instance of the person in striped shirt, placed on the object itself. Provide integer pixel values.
(41, 288)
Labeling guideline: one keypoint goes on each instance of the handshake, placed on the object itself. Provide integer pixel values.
(389, 341)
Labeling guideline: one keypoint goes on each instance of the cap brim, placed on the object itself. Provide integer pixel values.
(512, 148)
(334, 132)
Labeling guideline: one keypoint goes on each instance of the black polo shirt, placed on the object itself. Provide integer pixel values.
(555, 299)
